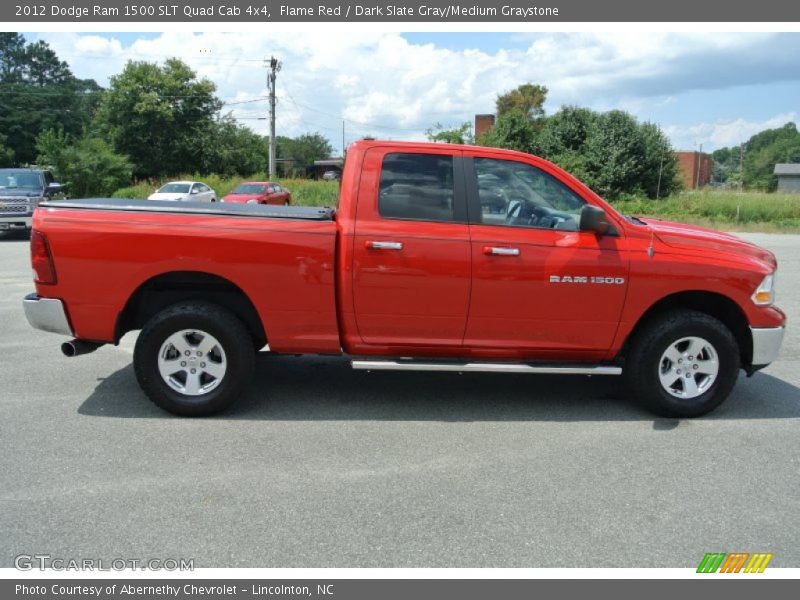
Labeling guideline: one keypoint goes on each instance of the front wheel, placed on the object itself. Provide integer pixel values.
(194, 359)
(683, 364)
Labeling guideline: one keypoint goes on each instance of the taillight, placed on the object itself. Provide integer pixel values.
(44, 271)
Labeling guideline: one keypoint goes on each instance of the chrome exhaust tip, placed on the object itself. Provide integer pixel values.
(78, 347)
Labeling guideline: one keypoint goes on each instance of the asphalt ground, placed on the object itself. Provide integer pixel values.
(321, 466)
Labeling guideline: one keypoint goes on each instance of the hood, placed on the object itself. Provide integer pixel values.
(693, 238)
(166, 196)
(241, 197)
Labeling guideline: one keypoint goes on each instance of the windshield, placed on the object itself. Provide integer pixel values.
(250, 188)
(174, 188)
(29, 180)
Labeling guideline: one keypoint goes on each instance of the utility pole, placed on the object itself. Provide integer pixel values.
(741, 167)
(274, 65)
(699, 165)
(660, 170)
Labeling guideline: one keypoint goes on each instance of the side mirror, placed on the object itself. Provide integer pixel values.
(195, 191)
(56, 188)
(593, 218)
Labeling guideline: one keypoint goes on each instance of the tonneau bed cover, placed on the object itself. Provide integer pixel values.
(307, 213)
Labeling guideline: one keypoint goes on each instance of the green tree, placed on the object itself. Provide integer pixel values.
(726, 164)
(614, 155)
(528, 98)
(6, 153)
(158, 116)
(41, 66)
(764, 150)
(761, 153)
(568, 129)
(12, 51)
(300, 153)
(659, 163)
(232, 149)
(610, 152)
(38, 92)
(513, 130)
(562, 139)
(457, 135)
(89, 166)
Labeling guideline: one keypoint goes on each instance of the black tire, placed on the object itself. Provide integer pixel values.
(643, 363)
(232, 336)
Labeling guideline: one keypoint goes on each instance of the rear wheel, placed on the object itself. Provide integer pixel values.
(683, 364)
(194, 359)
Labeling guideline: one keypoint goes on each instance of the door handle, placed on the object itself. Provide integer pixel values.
(500, 251)
(384, 245)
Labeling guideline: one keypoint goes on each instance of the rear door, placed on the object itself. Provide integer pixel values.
(206, 192)
(274, 195)
(411, 259)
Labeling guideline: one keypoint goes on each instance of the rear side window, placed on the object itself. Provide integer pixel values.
(418, 187)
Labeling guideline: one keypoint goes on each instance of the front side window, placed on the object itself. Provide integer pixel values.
(520, 195)
(417, 186)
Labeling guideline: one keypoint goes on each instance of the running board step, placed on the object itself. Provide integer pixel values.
(479, 367)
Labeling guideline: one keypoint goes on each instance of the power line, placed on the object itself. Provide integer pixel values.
(54, 93)
(261, 99)
(223, 61)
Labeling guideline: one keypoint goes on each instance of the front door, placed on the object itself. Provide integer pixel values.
(411, 259)
(540, 286)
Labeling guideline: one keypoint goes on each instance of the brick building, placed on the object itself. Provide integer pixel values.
(694, 169)
(482, 124)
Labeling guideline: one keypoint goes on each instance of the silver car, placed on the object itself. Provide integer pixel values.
(184, 191)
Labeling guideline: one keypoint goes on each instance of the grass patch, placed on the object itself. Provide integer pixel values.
(305, 192)
(748, 211)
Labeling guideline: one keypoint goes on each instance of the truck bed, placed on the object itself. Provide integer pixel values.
(281, 258)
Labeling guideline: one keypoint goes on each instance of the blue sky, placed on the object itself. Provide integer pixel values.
(714, 89)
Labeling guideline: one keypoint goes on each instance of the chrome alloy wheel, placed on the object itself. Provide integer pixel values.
(192, 362)
(688, 367)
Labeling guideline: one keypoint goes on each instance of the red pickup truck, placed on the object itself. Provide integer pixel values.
(439, 258)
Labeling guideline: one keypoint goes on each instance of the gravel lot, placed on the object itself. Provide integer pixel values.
(320, 466)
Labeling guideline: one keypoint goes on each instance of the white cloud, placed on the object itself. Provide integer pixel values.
(384, 85)
(723, 133)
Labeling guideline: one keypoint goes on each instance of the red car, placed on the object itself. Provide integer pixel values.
(438, 258)
(259, 192)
